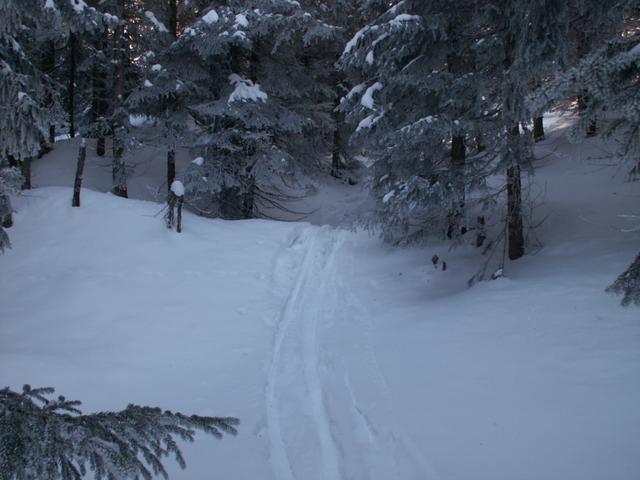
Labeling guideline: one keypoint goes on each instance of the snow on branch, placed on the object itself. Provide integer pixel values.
(50, 439)
(157, 23)
(245, 90)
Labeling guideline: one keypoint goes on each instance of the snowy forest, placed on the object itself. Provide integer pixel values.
(385, 239)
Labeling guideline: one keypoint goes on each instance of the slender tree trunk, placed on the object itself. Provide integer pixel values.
(6, 220)
(77, 184)
(179, 225)
(99, 102)
(458, 159)
(48, 66)
(72, 85)
(538, 129)
(514, 210)
(583, 101)
(25, 170)
(173, 18)
(101, 146)
(171, 168)
(248, 199)
(119, 172)
(337, 163)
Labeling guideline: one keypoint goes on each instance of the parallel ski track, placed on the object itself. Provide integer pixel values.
(303, 305)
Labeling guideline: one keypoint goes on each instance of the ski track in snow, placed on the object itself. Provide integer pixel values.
(328, 409)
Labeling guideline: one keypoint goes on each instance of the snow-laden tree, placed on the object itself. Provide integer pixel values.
(252, 104)
(610, 78)
(21, 83)
(416, 106)
(439, 97)
(50, 439)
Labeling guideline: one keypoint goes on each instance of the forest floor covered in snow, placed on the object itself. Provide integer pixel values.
(342, 357)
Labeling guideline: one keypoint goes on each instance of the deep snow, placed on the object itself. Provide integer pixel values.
(343, 358)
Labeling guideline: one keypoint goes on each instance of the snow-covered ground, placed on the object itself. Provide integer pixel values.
(343, 358)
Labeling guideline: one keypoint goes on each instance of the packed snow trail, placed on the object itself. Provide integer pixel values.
(328, 410)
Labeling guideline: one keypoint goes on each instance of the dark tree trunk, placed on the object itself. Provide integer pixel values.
(458, 158)
(48, 67)
(171, 168)
(337, 161)
(99, 103)
(538, 129)
(249, 199)
(77, 184)
(119, 172)
(72, 85)
(583, 103)
(179, 224)
(458, 153)
(514, 213)
(173, 18)
(174, 202)
(515, 228)
(101, 147)
(25, 170)
(6, 220)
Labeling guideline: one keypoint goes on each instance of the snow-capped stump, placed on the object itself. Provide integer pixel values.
(177, 188)
(175, 202)
(198, 161)
(245, 90)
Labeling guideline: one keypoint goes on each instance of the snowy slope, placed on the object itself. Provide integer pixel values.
(343, 358)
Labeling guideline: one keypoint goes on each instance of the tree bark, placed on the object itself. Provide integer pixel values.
(538, 129)
(337, 162)
(171, 168)
(72, 85)
(119, 172)
(515, 226)
(7, 219)
(583, 101)
(77, 184)
(458, 158)
(25, 170)
(173, 18)
(179, 225)
(99, 101)
(48, 66)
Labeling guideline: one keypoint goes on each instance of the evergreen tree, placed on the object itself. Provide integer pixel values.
(608, 77)
(47, 439)
(253, 105)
